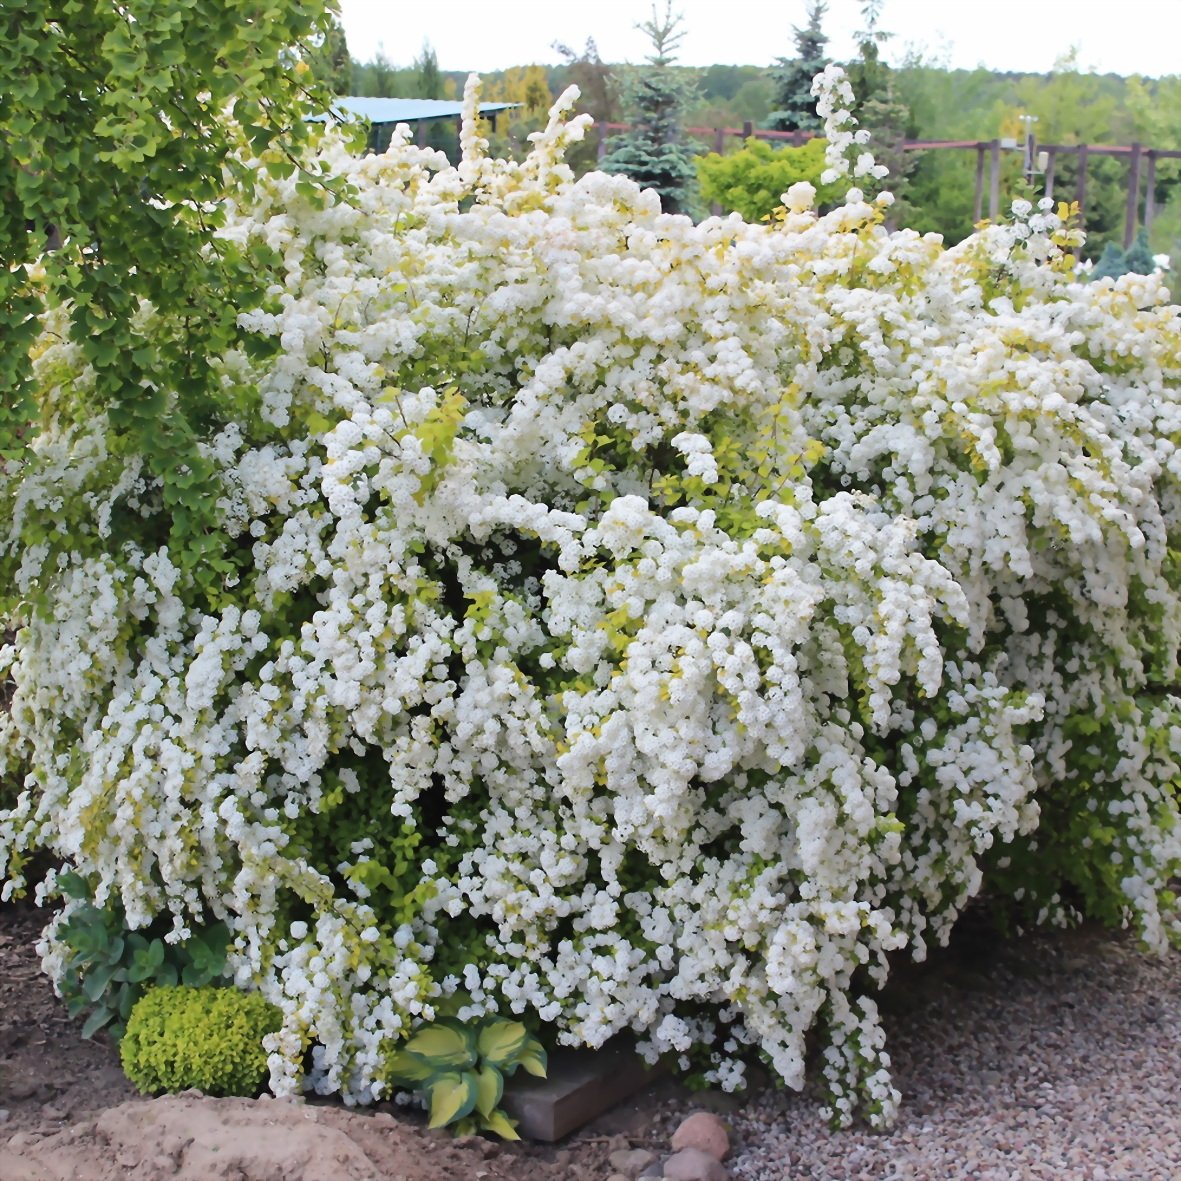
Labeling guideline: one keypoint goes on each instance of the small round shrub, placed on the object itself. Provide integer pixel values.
(208, 1038)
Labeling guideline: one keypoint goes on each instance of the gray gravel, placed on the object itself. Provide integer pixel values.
(1057, 1058)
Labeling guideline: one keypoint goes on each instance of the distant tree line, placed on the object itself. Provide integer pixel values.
(917, 99)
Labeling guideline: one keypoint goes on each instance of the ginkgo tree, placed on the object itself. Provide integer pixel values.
(122, 129)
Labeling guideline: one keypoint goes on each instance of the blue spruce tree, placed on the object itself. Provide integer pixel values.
(653, 153)
(795, 108)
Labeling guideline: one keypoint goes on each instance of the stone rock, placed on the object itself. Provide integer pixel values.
(691, 1164)
(651, 1172)
(705, 1131)
(52, 1111)
(619, 1177)
(631, 1162)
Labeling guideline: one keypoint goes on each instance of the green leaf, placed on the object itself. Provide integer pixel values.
(452, 1096)
(100, 1017)
(444, 1045)
(500, 1123)
(533, 1061)
(501, 1040)
(166, 975)
(98, 980)
(406, 1068)
(489, 1089)
(73, 885)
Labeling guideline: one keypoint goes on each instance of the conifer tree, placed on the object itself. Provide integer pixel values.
(1138, 257)
(795, 108)
(653, 153)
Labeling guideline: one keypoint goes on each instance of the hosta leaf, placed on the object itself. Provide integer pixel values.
(489, 1089)
(533, 1061)
(452, 1096)
(406, 1068)
(500, 1123)
(444, 1045)
(500, 1041)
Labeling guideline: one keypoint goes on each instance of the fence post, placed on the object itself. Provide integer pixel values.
(1133, 196)
(1150, 190)
(748, 129)
(994, 179)
(978, 208)
(1080, 191)
(601, 149)
(1051, 158)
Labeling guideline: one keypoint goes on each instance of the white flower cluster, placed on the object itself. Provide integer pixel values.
(648, 625)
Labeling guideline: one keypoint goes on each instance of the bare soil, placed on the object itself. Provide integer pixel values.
(69, 1114)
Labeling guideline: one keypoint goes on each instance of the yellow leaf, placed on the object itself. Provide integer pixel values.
(500, 1123)
(443, 1045)
(533, 1061)
(501, 1040)
(452, 1096)
(405, 1068)
(489, 1089)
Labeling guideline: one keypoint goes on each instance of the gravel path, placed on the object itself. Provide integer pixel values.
(1057, 1058)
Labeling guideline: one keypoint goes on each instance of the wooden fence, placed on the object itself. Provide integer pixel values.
(1142, 163)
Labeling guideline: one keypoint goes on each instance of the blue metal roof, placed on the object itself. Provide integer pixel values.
(410, 110)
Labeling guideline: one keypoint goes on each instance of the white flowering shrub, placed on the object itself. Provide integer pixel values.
(632, 624)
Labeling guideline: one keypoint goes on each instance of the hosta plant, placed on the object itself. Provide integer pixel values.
(459, 1068)
(616, 623)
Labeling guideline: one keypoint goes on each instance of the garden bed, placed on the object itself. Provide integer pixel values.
(1057, 1056)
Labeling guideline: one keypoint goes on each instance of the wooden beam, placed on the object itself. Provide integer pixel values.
(1080, 188)
(1051, 158)
(1133, 206)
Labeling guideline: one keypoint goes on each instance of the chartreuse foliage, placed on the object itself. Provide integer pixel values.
(460, 1068)
(633, 626)
(182, 1036)
(752, 181)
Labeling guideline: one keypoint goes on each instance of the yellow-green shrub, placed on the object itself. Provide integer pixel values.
(208, 1038)
(752, 181)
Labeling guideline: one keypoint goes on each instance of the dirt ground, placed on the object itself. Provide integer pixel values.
(68, 1114)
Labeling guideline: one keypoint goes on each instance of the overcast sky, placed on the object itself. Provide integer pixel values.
(1120, 36)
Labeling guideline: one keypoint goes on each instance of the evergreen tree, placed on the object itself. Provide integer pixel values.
(1138, 256)
(795, 108)
(1111, 264)
(653, 153)
(869, 76)
(888, 120)
(428, 80)
(881, 112)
